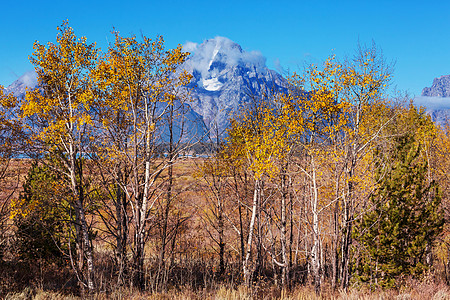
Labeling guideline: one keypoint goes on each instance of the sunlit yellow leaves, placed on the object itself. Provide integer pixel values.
(63, 100)
(262, 135)
(7, 101)
(136, 82)
(48, 190)
(19, 207)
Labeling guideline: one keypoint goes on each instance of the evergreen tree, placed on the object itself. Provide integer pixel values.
(41, 216)
(406, 217)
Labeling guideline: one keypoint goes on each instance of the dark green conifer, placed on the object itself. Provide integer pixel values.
(397, 234)
(41, 217)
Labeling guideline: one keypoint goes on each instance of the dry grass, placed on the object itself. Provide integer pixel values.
(421, 291)
(194, 242)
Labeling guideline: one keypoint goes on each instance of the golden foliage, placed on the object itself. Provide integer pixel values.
(63, 101)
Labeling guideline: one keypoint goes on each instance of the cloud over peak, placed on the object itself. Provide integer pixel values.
(219, 52)
(433, 102)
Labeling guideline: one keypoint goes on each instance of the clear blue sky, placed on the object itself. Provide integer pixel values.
(414, 34)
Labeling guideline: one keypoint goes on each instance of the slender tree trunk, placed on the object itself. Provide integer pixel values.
(221, 240)
(241, 221)
(259, 257)
(139, 257)
(85, 242)
(347, 223)
(315, 258)
(284, 197)
(334, 248)
(88, 250)
(335, 238)
(346, 241)
(121, 204)
(246, 267)
(122, 233)
(291, 230)
(220, 207)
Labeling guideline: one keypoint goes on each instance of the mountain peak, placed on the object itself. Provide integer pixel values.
(211, 47)
(226, 78)
(222, 44)
(436, 99)
(214, 55)
(439, 88)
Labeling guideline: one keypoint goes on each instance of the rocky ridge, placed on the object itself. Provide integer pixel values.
(225, 79)
(436, 99)
(439, 88)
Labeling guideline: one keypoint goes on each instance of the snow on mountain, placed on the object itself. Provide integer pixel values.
(226, 78)
(212, 84)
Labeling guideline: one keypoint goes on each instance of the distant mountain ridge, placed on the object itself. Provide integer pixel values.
(439, 88)
(436, 99)
(225, 78)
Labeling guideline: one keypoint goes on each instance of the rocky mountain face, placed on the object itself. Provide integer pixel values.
(225, 79)
(439, 88)
(436, 99)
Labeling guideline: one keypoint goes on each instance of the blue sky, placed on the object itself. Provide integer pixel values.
(413, 34)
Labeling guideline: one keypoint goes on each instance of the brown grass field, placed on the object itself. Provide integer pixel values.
(194, 244)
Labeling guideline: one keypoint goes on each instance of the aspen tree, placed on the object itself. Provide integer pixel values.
(59, 109)
(338, 102)
(138, 84)
(364, 81)
(262, 135)
(316, 94)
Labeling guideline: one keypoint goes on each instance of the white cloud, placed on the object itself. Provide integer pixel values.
(29, 78)
(433, 102)
(189, 47)
(219, 49)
